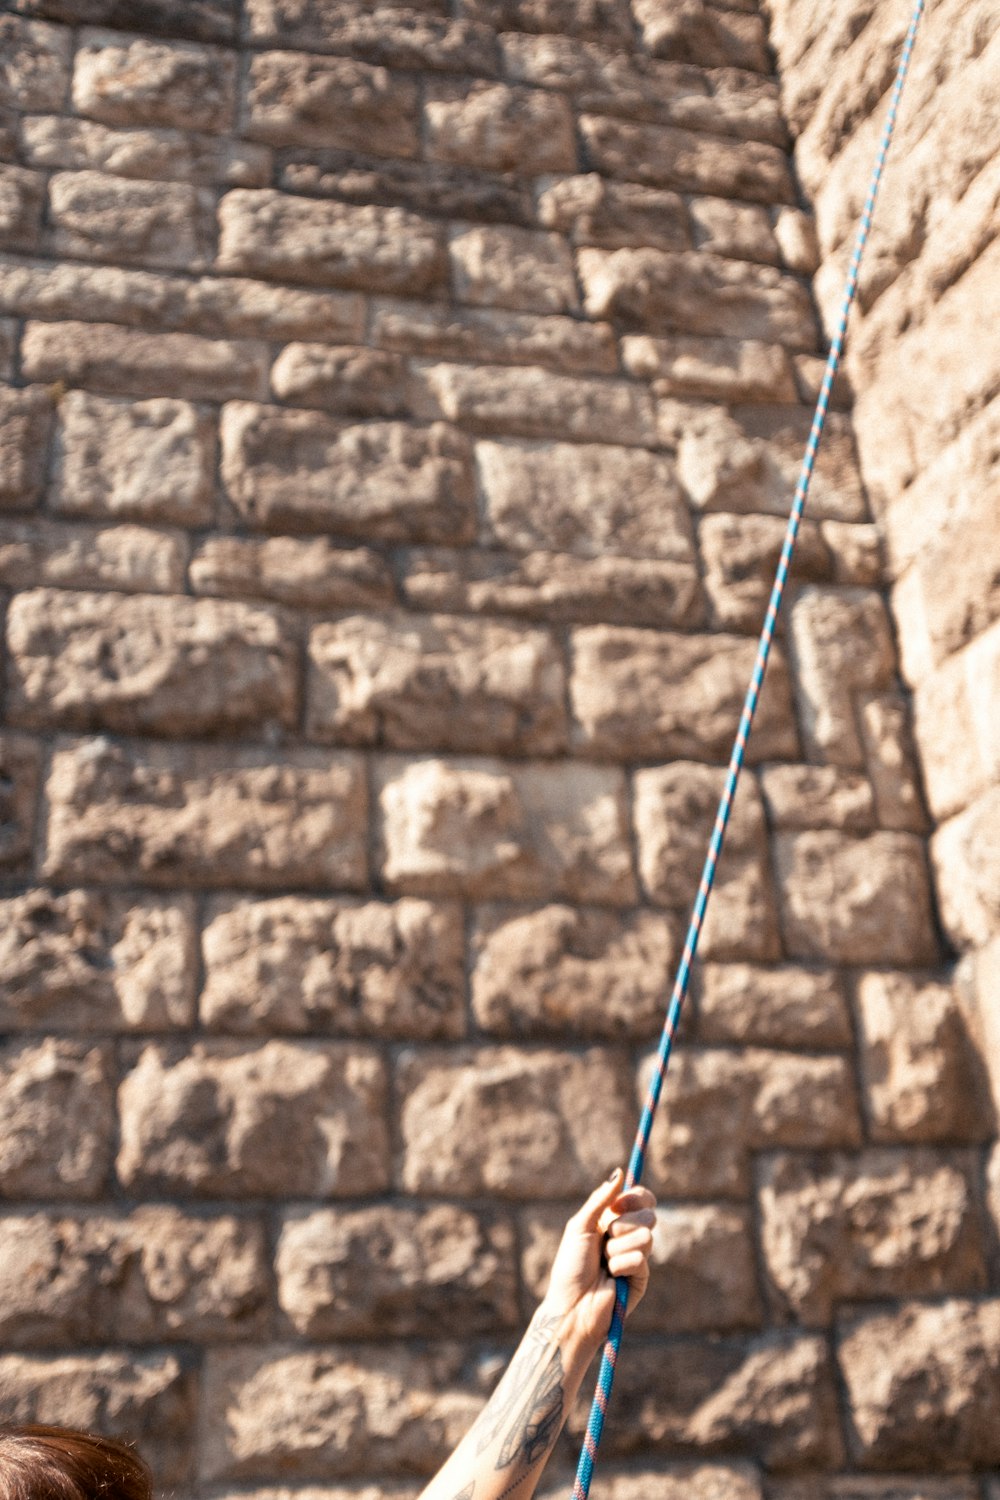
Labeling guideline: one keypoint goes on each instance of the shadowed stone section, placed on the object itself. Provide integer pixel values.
(20, 773)
(818, 797)
(741, 554)
(207, 816)
(158, 1273)
(533, 403)
(56, 1119)
(785, 1007)
(871, 1227)
(139, 460)
(281, 1413)
(697, 32)
(25, 423)
(158, 153)
(396, 1272)
(843, 646)
(599, 20)
(34, 64)
(481, 829)
(227, 1121)
(965, 853)
(722, 1105)
(37, 554)
(95, 216)
(493, 335)
(147, 664)
(569, 970)
(293, 99)
(499, 129)
(409, 682)
(348, 381)
(687, 160)
(345, 968)
(126, 362)
(420, 37)
(137, 81)
(377, 481)
(516, 268)
(87, 962)
(922, 1074)
(493, 1121)
(925, 1381)
(22, 200)
(306, 573)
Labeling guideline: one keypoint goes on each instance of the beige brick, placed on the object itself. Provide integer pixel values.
(34, 64)
(956, 713)
(25, 423)
(22, 199)
(43, 554)
(493, 336)
(514, 268)
(891, 760)
(53, 141)
(308, 573)
(592, 210)
(818, 797)
(700, 34)
(532, 402)
(377, 33)
(95, 216)
(601, 20)
(352, 381)
(293, 99)
(125, 362)
(842, 644)
(741, 555)
(720, 369)
(780, 1007)
(741, 231)
(686, 160)
(965, 855)
(56, 1119)
(136, 80)
(486, 125)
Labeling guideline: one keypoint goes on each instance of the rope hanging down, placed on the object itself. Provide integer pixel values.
(606, 1375)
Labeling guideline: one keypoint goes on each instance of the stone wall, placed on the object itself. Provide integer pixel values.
(400, 406)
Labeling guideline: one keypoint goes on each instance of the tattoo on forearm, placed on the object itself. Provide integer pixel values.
(466, 1494)
(537, 1423)
(509, 1394)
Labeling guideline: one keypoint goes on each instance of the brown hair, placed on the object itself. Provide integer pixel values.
(58, 1463)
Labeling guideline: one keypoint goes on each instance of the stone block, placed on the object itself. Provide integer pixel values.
(739, 231)
(83, 961)
(891, 760)
(655, 694)
(20, 774)
(308, 573)
(856, 548)
(715, 369)
(421, 38)
(135, 559)
(842, 644)
(34, 64)
(701, 1481)
(965, 854)
(533, 402)
(22, 199)
(688, 161)
(204, 161)
(599, 20)
(127, 362)
(56, 1119)
(871, 1227)
(492, 1121)
(351, 381)
(396, 1272)
(570, 971)
(95, 216)
(140, 81)
(818, 797)
(154, 1274)
(266, 233)
(523, 832)
(695, 32)
(924, 1381)
(855, 900)
(377, 481)
(147, 664)
(443, 682)
(343, 968)
(593, 210)
(515, 268)
(741, 1004)
(956, 716)
(741, 556)
(294, 99)
(228, 1121)
(205, 816)
(498, 129)
(493, 336)
(922, 1074)
(25, 423)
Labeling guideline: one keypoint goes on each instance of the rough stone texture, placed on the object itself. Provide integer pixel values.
(57, 1116)
(771, 1007)
(25, 421)
(135, 81)
(134, 559)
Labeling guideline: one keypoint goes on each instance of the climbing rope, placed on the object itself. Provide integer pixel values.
(606, 1375)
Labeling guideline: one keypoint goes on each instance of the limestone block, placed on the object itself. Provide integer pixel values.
(590, 499)
(672, 696)
(56, 1115)
(720, 369)
(340, 967)
(592, 210)
(266, 233)
(95, 216)
(84, 961)
(439, 681)
(956, 712)
(352, 381)
(521, 832)
(309, 573)
(533, 402)
(147, 664)
(722, 1105)
(887, 740)
(705, 1481)
(22, 198)
(741, 556)
(160, 153)
(227, 1121)
(139, 81)
(485, 335)
(871, 1227)
(795, 232)
(783, 1007)
(857, 900)
(925, 1381)
(141, 460)
(599, 20)
(20, 773)
(563, 969)
(34, 64)
(688, 161)
(818, 797)
(378, 481)
(492, 1121)
(135, 559)
(415, 40)
(965, 853)
(922, 1074)
(515, 268)
(25, 422)
(396, 1272)
(499, 129)
(695, 32)
(157, 1273)
(205, 816)
(293, 99)
(856, 548)
(127, 362)
(282, 1413)
(741, 231)
(842, 644)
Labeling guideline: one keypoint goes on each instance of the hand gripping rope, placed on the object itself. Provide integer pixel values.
(605, 1379)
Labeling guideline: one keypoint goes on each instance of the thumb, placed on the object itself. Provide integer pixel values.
(602, 1198)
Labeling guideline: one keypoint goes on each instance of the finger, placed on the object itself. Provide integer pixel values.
(626, 1263)
(600, 1200)
(643, 1218)
(634, 1198)
(638, 1238)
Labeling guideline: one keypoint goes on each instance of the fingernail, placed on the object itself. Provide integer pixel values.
(614, 1174)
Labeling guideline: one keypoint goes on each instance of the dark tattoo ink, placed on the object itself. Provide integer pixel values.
(536, 1425)
(510, 1392)
(466, 1494)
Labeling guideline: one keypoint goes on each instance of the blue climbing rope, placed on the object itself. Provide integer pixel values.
(606, 1375)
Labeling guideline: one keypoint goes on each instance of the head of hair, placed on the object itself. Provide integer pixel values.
(59, 1463)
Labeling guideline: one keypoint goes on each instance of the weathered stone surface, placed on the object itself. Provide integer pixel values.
(863, 900)
(343, 968)
(925, 1381)
(870, 1227)
(20, 773)
(696, 32)
(284, 1119)
(856, 548)
(442, 682)
(94, 216)
(206, 816)
(785, 1007)
(206, 21)
(56, 1114)
(500, 129)
(818, 797)
(25, 422)
(94, 1278)
(532, 402)
(599, 19)
(956, 711)
(22, 197)
(514, 268)
(686, 160)
(483, 829)
(274, 234)
(428, 188)
(421, 37)
(842, 645)
(721, 369)
(124, 362)
(494, 335)
(396, 1272)
(352, 381)
(293, 99)
(135, 559)
(922, 1076)
(308, 573)
(741, 555)
(965, 853)
(594, 211)
(54, 141)
(134, 80)
(146, 664)
(562, 969)
(707, 1481)
(673, 695)
(740, 231)
(87, 962)
(493, 1121)
(890, 757)
(34, 64)
(382, 481)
